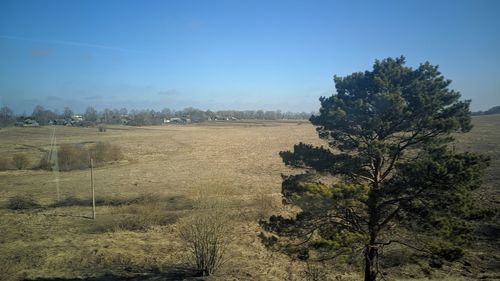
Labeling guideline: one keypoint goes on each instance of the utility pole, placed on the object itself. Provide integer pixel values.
(54, 162)
(92, 186)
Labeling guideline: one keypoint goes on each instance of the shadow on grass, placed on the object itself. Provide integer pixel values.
(171, 203)
(69, 216)
(170, 273)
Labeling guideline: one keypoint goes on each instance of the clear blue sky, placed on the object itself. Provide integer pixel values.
(233, 54)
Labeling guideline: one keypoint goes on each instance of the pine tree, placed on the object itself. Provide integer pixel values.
(387, 174)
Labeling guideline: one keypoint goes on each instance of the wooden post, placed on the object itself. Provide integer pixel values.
(92, 185)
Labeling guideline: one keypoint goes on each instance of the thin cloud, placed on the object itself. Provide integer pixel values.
(171, 92)
(93, 98)
(68, 43)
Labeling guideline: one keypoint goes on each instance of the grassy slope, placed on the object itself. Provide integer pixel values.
(239, 161)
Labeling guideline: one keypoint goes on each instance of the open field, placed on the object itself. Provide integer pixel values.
(144, 198)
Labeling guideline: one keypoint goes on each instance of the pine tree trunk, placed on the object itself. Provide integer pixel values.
(371, 256)
(371, 251)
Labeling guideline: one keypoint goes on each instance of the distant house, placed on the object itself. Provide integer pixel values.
(177, 120)
(77, 118)
(125, 119)
(224, 118)
(60, 122)
(27, 123)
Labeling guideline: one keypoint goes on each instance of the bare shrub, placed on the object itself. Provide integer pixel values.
(22, 202)
(103, 152)
(101, 128)
(72, 157)
(44, 163)
(206, 235)
(69, 157)
(20, 161)
(315, 272)
(77, 156)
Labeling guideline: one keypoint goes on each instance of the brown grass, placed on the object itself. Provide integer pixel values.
(20, 161)
(141, 238)
(5, 163)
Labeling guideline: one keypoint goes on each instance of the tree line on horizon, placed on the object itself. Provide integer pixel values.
(493, 110)
(145, 116)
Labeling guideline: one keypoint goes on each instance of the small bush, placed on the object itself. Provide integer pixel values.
(206, 236)
(22, 202)
(101, 128)
(315, 272)
(20, 161)
(446, 250)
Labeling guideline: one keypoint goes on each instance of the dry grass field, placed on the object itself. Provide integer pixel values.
(143, 199)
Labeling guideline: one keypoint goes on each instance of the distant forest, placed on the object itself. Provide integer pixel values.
(146, 117)
(142, 117)
(493, 110)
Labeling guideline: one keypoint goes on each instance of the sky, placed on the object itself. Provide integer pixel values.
(273, 54)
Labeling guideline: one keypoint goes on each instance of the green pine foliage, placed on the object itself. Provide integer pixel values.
(386, 175)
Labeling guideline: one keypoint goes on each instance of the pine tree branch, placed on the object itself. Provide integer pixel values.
(404, 244)
(390, 217)
(362, 177)
(338, 254)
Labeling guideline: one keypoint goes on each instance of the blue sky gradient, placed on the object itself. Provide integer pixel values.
(233, 54)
